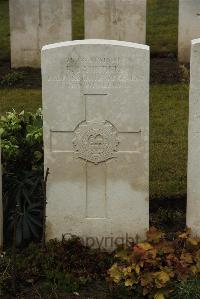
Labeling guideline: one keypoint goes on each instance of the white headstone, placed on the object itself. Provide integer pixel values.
(189, 27)
(1, 204)
(96, 138)
(123, 20)
(193, 186)
(34, 23)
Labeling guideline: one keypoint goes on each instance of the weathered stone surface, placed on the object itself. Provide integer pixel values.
(189, 27)
(193, 187)
(96, 110)
(34, 23)
(123, 20)
(1, 204)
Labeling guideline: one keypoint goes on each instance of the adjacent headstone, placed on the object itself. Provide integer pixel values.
(193, 196)
(1, 204)
(123, 20)
(189, 27)
(34, 23)
(96, 138)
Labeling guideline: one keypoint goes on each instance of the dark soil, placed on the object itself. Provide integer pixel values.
(29, 77)
(164, 70)
(99, 290)
(169, 214)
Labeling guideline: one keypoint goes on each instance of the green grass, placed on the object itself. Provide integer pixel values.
(4, 31)
(168, 140)
(20, 99)
(78, 19)
(162, 26)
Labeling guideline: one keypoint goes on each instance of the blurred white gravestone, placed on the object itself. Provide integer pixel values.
(34, 23)
(1, 204)
(96, 138)
(189, 27)
(193, 186)
(123, 20)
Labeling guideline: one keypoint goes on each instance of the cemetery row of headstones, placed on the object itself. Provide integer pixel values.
(96, 140)
(35, 23)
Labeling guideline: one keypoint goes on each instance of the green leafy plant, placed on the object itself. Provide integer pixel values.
(22, 143)
(22, 158)
(25, 190)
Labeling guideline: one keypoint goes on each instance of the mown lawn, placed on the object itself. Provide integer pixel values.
(20, 99)
(4, 32)
(168, 140)
(162, 26)
(168, 102)
(78, 19)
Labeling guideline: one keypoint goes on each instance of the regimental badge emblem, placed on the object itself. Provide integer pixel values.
(95, 141)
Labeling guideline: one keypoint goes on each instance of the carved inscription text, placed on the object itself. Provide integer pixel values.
(98, 72)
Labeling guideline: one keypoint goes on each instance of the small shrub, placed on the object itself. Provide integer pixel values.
(21, 141)
(22, 159)
(158, 264)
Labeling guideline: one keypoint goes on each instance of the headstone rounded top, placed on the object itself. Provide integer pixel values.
(95, 42)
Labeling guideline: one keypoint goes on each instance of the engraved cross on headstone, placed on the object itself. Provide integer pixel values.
(97, 142)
